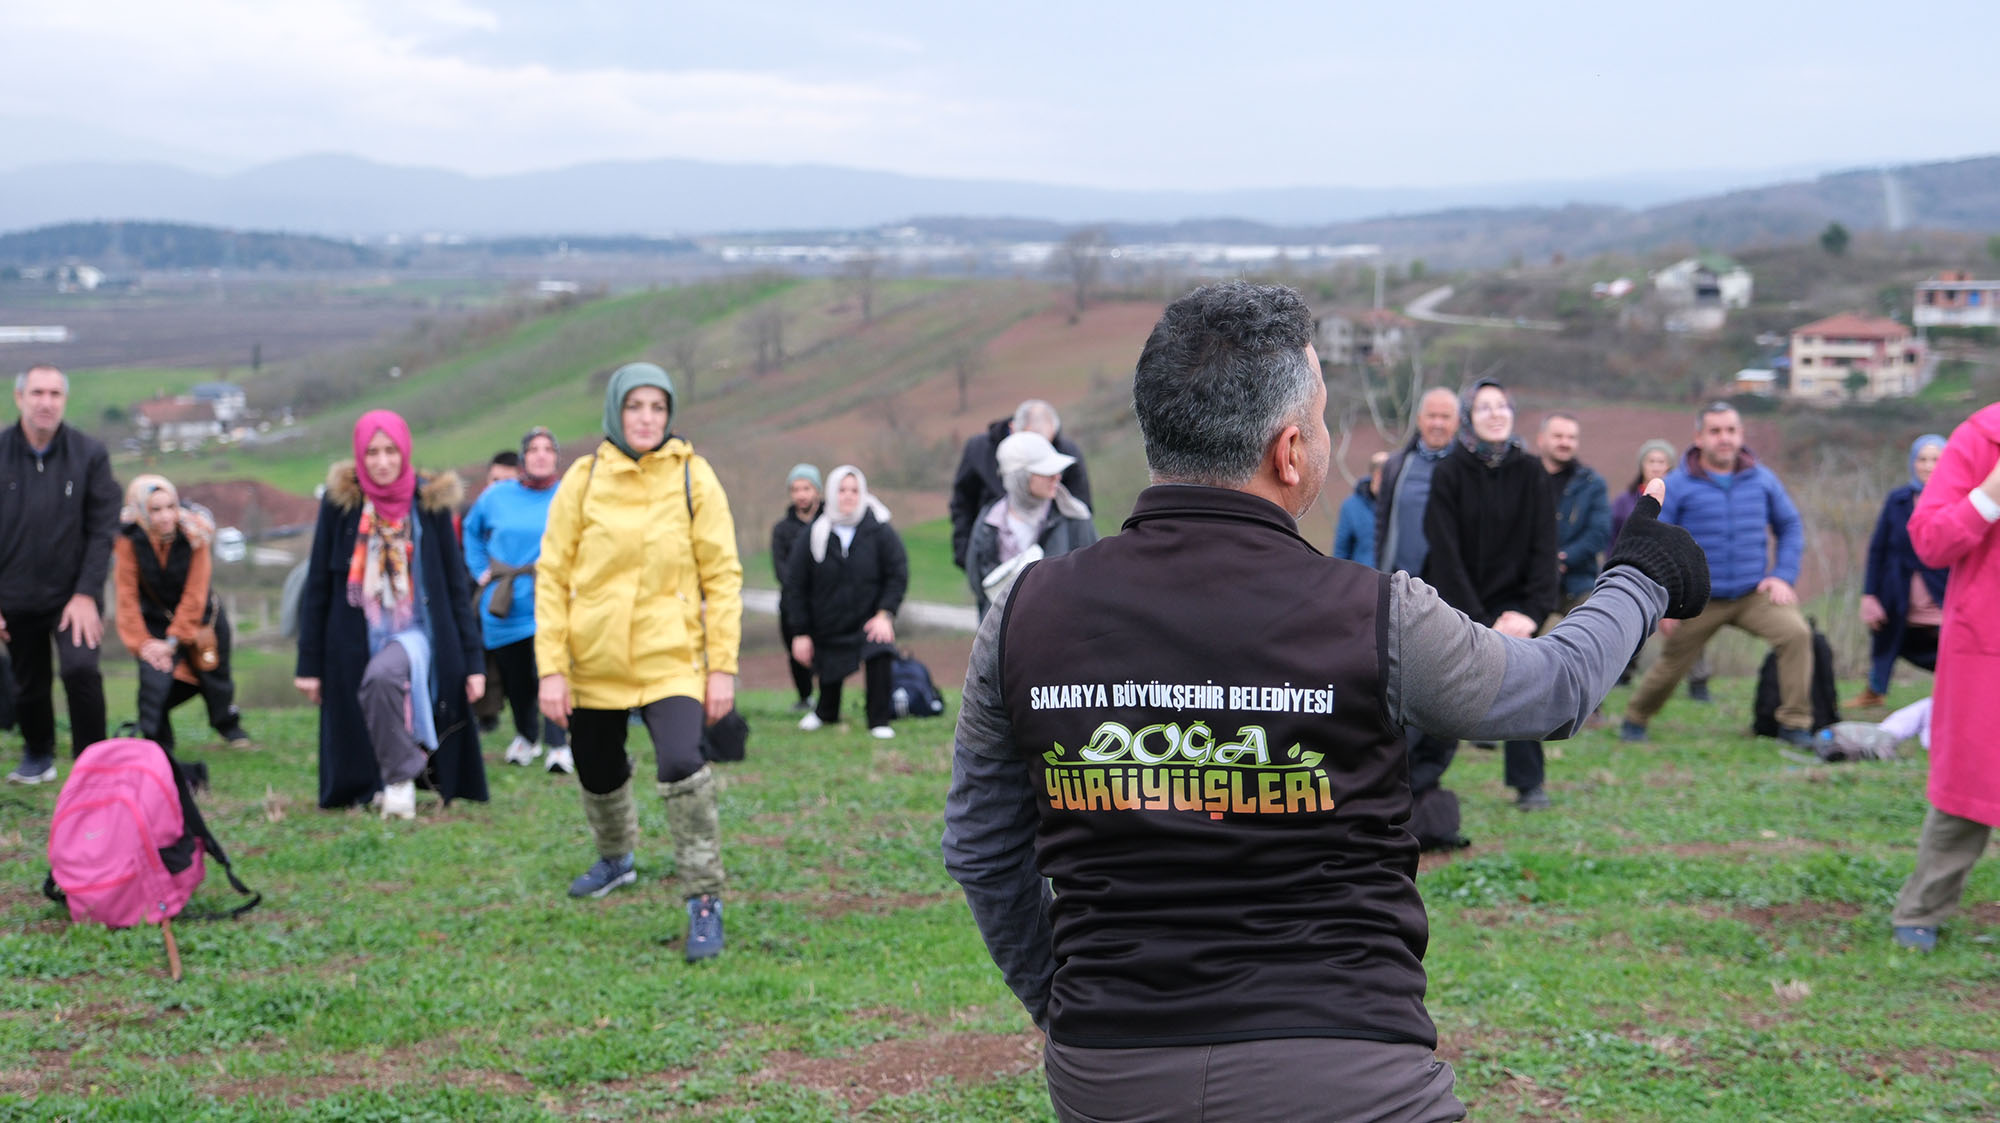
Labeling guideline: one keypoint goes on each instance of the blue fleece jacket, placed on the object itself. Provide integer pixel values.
(1729, 516)
(506, 524)
(1354, 537)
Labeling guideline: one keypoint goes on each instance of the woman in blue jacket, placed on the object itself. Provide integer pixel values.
(503, 539)
(1902, 599)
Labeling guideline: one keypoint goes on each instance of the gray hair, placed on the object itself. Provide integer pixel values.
(1033, 414)
(1223, 372)
(21, 379)
(1710, 410)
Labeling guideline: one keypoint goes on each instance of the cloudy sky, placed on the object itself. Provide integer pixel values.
(1104, 93)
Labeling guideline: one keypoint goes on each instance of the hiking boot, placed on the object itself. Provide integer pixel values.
(1698, 690)
(810, 722)
(522, 751)
(1866, 700)
(882, 733)
(34, 770)
(607, 874)
(1534, 799)
(1916, 937)
(560, 760)
(704, 928)
(1796, 738)
(399, 801)
(1632, 732)
(236, 738)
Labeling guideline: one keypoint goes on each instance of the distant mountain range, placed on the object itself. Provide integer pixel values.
(343, 197)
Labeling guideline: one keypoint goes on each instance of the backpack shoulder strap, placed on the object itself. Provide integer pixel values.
(197, 827)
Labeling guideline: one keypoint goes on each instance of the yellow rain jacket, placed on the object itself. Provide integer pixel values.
(624, 573)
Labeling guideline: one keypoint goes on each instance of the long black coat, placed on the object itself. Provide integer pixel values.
(333, 646)
(1492, 535)
(1891, 562)
(830, 599)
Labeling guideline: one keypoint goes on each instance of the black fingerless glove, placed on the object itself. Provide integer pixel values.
(1668, 555)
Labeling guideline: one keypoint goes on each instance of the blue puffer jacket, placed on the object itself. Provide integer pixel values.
(1729, 516)
(1354, 537)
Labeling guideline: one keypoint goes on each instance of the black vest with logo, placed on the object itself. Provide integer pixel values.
(160, 584)
(1222, 799)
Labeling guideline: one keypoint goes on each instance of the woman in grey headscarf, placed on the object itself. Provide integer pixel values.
(845, 581)
(1036, 518)
(1902, 599)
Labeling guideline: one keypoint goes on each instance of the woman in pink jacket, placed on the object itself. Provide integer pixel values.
(1954, 525)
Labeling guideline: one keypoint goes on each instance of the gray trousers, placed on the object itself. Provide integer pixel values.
(385, 710)
(1279, 1079)
(1946, 850)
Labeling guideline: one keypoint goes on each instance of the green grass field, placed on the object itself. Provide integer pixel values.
(1698, 931)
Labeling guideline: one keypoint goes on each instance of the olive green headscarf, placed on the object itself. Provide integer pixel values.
(624, 380)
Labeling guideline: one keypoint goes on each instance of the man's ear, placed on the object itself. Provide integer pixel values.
(1287, 456)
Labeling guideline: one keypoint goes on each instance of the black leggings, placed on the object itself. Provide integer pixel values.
(802, 673)
(597, 738)
(517, 676)
(875, 679)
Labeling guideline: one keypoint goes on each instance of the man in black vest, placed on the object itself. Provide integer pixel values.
(58, 514)
(1193, 732)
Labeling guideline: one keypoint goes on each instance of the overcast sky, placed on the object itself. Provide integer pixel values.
(1149, 94)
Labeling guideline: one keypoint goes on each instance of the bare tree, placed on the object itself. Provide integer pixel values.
(765, 329)
(860, 276)
(686, 353)
(967, 360)
(1080, 258)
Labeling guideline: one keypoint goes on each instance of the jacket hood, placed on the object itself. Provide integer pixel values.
(436, 491)
(1362, 489)
(1691, 462)
(1987, 421)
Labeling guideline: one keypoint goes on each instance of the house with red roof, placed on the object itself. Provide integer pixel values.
(1856, 357)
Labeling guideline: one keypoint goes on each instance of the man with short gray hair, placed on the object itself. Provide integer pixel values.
(58, 516)
(976, 484)
(1179, 795)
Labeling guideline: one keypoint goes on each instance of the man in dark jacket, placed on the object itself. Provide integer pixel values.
(58, 516)
(802, 488)
(1583, 506)
(977, 482)
(1406, 484)
(1179, 797)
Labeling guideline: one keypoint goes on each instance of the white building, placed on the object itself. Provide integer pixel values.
(1954, 299)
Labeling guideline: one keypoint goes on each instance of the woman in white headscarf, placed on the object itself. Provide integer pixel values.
(843, 584)
(1036, 518)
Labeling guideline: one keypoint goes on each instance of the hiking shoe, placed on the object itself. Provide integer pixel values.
(1796, 738)
(603, 877)
(522, 751)
(1916, 937)
(810, 722)
(1698, 691)
(1866, 700)
(704, 928)
(34, 770)
(236, 738)
(882, 733)
(1631, 732)
(560, 760)
(399, 801)
(1534, 799)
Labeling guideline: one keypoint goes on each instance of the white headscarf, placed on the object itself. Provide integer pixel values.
(830, 516)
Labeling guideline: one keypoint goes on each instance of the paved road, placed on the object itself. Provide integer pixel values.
(948, 617)
(1425, 308)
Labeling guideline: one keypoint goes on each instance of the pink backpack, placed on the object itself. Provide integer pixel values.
(126, 842)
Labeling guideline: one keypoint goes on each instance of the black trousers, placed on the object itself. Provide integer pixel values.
(802, 674)
(597, 740)
(32, 635)
(516, 663)
(1431, 756)
(160, 691)
(874, 679)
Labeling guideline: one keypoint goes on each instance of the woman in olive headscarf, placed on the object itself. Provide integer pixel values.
(638, 606)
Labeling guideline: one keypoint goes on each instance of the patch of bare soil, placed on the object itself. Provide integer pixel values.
(1798, 914)
(349, 1071)
(1739, 846)
(904, 1066)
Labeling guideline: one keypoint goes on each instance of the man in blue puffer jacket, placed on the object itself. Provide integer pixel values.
(1734, 506)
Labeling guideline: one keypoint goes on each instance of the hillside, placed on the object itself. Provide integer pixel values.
(161, 245)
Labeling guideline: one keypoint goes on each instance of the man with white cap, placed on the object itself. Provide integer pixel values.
(1036, 517)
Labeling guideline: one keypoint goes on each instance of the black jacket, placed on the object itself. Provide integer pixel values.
(1492, 534)
(785, 535)
(58, 515)
(830, 599)
(977, 482)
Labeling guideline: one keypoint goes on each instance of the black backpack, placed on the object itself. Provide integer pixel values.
(912, 692)
(1825, 691)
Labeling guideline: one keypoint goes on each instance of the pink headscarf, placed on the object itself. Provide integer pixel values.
(391, 502)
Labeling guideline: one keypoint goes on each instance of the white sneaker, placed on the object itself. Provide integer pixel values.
(521, 751)
(560, 760)
(399, 801)
(810, 722)
(882, 733)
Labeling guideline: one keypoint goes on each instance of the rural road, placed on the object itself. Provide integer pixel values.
(1424, 308)
(949, 617)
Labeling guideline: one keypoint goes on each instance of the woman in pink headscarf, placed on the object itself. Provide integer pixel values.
(389, 647)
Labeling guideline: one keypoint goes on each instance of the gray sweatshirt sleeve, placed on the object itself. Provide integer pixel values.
(989, 830)
(1451, 677)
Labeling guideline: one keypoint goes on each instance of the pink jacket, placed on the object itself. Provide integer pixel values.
(1948, 531)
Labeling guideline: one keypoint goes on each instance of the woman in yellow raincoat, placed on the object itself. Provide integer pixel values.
(638, 606)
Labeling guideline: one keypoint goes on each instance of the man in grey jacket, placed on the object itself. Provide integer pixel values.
(1179, 791)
